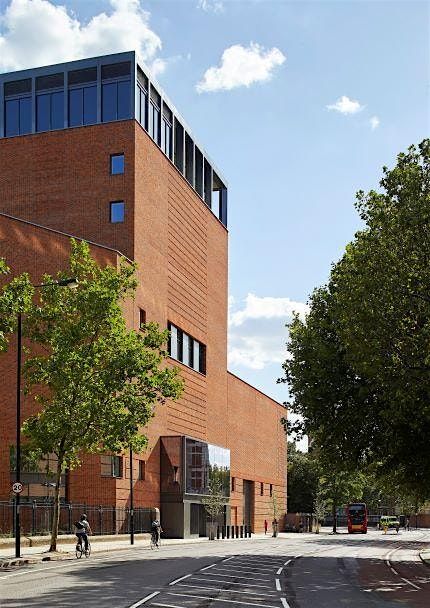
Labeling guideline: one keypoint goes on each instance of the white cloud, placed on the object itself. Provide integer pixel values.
(211, 6)
(241, 66)
(257, 332)
(38, 32)
(374, 122)
(265, 308)
(345, 105)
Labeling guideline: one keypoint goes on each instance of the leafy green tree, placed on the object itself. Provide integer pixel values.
(95, 382)
(302, 483)
(214, 501)
(319, 510)
(15, 297)
(359, 372)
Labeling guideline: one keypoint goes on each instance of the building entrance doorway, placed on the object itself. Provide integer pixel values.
(248, 502)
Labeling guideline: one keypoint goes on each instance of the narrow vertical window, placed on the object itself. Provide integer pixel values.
(142, 318)
(261, 489)
(271, 490)
(233, 484)
(173, 342)
(142, 470)
(117, 164)
(117, 212)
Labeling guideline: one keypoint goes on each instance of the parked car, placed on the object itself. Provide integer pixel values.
(389, 521)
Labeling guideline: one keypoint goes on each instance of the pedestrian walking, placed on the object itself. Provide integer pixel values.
(407, 526)
(265, 526)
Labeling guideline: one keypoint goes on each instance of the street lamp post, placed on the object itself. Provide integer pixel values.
(131, 500)
(72, 284)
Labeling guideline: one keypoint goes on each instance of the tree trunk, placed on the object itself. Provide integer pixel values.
(56, 515)
(333, 511)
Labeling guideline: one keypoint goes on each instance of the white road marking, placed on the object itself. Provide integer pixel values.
(265, 578)
(229, 558)
(285, 603)
(204, 597)
(168, 605)
(180, 579)
(214, 580)
(245, 568)
(278, 584)
(280, 570)
(248, 565)
(145, 599)
(221, 590)
(207, 567)
(287, 562)
(410, 583)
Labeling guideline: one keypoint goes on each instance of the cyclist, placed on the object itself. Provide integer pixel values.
(82, 530)
(156, 530)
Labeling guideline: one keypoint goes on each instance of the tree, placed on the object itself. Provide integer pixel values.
(359, 372)
(319, 510)
(95, 382)
(214, 501)
(302, 480)
(15, 298)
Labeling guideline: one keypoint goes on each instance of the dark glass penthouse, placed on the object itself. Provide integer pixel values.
(105, 89)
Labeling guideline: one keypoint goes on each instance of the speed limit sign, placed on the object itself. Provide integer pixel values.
(17, 487)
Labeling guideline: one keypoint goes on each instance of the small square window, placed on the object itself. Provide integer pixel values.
(142, 318)
(261, 489)
(117, 212)
(117, 164)
(142, 470)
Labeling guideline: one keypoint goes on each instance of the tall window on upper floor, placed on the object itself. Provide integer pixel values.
(154, 115)
(166, 128)
(186, 349)
(117, 164)
(116, 91)
(117, 212)
(17, 107)
(50, 102)
(82, 97)
(142, 98)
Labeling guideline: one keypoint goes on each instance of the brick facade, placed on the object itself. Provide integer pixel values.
(59, 182)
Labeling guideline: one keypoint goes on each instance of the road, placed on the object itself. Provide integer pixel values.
(291, 571)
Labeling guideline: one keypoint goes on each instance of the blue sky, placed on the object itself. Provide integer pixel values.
(293, 164)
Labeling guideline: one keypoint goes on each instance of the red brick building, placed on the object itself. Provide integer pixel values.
(93, 149)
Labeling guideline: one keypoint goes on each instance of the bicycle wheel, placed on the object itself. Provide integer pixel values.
(88, 553)
(79, 550)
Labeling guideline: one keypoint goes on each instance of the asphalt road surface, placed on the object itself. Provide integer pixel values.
(292, 571)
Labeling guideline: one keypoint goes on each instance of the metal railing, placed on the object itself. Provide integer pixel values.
(36, 518)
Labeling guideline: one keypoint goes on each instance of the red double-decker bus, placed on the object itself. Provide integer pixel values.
(357, 517)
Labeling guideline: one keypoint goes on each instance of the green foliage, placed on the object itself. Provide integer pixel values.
(95, 381)
(215, 500)
(15, 298)
(303, 477)
(360, 367)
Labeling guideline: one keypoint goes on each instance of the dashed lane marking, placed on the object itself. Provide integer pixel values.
(280, 570)
(180, 579)
(285, 603)
(207, 567)
(214, 580)
(215, 572)
(278, 584)
(144, 600)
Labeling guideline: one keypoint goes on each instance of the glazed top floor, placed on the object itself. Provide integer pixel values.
(105, 89)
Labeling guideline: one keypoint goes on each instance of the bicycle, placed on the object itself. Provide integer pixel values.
(80, 549)
(155, 540)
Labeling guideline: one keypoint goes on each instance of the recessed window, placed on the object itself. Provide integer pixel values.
(271, 490)
(142, 318)
(142, 470)
(261, 489)
(111, 466)
(50, 111)
(233, 484)
(117, 212)
(117, 164)
(186, 349)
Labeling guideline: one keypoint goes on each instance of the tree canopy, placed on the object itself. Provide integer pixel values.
(95, 381)
(359, 372)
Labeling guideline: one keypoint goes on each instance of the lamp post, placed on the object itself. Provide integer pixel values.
(131, 500)
(72, 283)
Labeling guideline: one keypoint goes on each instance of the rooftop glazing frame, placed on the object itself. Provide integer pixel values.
(104, 89)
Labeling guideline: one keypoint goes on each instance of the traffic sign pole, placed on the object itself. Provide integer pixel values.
(18, 437)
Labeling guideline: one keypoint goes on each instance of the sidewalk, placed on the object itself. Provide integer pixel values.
(35, 549)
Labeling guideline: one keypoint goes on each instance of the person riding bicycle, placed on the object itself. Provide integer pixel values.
(156, 530)
(82, 530)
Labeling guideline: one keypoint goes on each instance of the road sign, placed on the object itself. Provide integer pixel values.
(17, 487)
